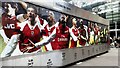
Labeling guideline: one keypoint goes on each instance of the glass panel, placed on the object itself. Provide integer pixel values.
(118, 33)
(112, 34)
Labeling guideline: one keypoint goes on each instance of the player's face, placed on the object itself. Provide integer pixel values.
(63, 19)
(74, 21)
(50, 16)
(31, 13)
(96, 25)
(91, 25)
(50, 19)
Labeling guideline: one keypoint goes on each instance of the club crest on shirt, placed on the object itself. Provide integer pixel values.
(32, 33)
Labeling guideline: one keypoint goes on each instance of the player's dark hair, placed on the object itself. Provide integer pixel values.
(35, 9)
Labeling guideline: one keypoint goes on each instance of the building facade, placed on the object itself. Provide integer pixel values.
(111, 11)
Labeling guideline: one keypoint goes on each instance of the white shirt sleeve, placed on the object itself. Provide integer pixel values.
(22, 25)
(20, 18)
(45, 23)
(85, 27)
(46, 40)
(11, 46)
(72, 35)
(57, 24)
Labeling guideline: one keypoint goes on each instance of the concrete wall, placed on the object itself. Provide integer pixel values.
(55, 58)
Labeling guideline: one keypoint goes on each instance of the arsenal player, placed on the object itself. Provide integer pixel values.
(96, 33)
(48, 29)
(30, 32)
(73, 43)
(82, 35)
(88, 30)
(9, 21)
(87, 36)
(91, 34)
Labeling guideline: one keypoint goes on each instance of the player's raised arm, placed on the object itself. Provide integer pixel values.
(46, 40)
(72, 35)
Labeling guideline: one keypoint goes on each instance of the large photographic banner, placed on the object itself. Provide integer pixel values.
(28, 28)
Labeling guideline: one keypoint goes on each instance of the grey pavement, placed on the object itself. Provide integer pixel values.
(108, 59)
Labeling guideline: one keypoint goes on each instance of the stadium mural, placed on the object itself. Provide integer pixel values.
(28, 28)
